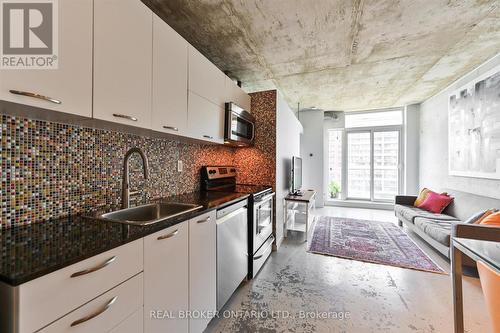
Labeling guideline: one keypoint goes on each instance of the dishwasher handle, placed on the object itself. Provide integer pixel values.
(221, 212)
(231, 215)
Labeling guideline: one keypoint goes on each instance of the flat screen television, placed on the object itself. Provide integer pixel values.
(296, 174)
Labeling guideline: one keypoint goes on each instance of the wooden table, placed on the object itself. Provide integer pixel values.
(307, 198)
(487, 252)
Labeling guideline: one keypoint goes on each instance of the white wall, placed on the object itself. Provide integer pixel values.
(411, 149)
(434, 142)
(311, 149)
(288, 132)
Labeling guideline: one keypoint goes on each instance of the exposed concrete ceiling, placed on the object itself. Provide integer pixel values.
(341, 54)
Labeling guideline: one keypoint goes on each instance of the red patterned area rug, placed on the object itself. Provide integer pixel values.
(370, 241)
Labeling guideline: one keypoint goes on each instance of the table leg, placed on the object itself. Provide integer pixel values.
(456, 274)
(285, 217)
(307, 219)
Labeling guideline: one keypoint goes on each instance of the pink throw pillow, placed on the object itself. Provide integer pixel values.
(435, 203)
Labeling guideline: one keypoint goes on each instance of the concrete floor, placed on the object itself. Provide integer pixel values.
(295, 289)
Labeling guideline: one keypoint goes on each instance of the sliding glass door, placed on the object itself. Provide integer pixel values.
(385, 165)
(359, 165)
(373, 163)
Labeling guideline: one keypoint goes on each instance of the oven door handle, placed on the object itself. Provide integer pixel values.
(267, 197)
(271, 244)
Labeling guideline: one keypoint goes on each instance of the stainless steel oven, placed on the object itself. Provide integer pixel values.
(239, 128)
(260, 212)
(262, 220)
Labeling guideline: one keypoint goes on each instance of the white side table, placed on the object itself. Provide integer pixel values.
(308, 198)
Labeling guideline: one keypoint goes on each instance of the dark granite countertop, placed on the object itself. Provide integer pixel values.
(31, 251)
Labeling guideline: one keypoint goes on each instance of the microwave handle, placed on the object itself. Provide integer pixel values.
(253, 132)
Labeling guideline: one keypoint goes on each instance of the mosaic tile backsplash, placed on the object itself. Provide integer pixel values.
(257, 165)
(50, 170)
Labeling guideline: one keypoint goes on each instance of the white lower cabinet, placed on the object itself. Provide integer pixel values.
(133, 324)
(166, 280)
(103, 313)
(202, 270)
(147, 285)
(52, 296)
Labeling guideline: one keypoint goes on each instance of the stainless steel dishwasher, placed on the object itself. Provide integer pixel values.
(232, 249)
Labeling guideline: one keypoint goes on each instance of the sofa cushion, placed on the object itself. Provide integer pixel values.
(439, 230)
(409, 213)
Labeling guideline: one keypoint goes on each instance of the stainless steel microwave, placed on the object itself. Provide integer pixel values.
(239, 130)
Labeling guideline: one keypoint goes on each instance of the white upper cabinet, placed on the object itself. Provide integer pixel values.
(237, 95)
(205, 79)
(170, 79)
(123, 37)
(205, 119)
(71, 83)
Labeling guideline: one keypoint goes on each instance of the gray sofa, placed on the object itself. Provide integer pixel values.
(436, 229)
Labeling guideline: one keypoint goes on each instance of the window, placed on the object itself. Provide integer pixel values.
(334, 185)
(370, 148)
(373, 119)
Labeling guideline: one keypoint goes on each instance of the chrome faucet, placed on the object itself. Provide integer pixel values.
(126, 182)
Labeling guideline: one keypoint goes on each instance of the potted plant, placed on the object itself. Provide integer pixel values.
(334, 189)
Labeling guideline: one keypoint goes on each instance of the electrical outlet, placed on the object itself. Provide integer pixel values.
(179, 166)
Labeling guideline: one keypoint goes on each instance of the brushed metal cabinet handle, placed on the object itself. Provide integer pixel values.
(171, 128)
(172, 234)
(208, 136)
(95, 314)
(33, 95)
(124, 116)
(203, 221)
(93, 269)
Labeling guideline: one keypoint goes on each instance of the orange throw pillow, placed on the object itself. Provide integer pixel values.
(485, 215)
(492, 219)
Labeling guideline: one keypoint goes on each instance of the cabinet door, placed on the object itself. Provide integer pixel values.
(103, 313)
(202, 269)
(71, 83)
(36, 310)
(170, 71)
(133, 324)
(123, 45)
(205, 79)
(237, 95)
(205, 119)
(166, 279)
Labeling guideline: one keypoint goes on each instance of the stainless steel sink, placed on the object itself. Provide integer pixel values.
(149, 214)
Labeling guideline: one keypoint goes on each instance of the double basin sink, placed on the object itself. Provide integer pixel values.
(149, 214)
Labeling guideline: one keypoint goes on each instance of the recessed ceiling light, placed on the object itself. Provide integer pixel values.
(313, 108)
